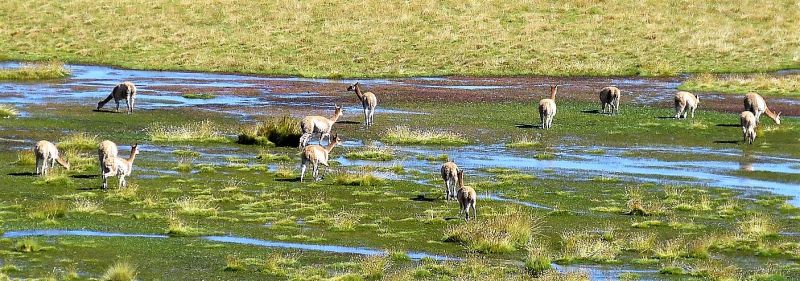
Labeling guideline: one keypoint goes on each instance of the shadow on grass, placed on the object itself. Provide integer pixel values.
(665, 117)
(22, 174)
(91, 188)
(727, 141)
(728, 125)
(297, 179)
(591, 111)
(347, 122)
(422, 198)
(84, 176)
(528, 126)
(106, 111)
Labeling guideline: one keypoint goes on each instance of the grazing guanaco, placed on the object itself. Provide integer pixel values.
(124, 91)
(118, 166)
(450, 176)
(47, 153)
(368, 102)
(106, 149)
(466, 197)
(316, 154)
(610, 96)
(749, 122)
(684, 102)
(318, 125)
(754, 103)
(547, 108)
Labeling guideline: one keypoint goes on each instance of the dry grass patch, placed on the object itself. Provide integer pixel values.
(781, 85)
(503, 232)
(7, 111)
(405, 135)
(202, 131)
(35, 71)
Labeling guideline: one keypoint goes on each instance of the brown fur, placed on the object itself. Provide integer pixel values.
(610, 96)
(368, 102)
(754, 103)
(105, 150)
(748, 121)
(547, 108)
(124, 91)
(467, 198)
(685, 102)
(318, 125)
(47, 153)
(118, 166)
(316, 154)
(449, 173)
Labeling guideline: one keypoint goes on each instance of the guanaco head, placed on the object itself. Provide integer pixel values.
(778, 118)
(460, 178)
(336, 140)
(339, 111)
(553, 91)
(697, 98)
(353, 87)
(135, 149)
(63, 162)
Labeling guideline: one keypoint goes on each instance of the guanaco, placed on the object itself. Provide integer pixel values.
(466, 198)
(610, 96)
(124, 91)
(316, 154)
(118, 166)
(106, 149)
(47, 153)
(368, 102)
(449, 173)
(547, 108)
(684, 102)
(318, 125)
(748, 120)
(754, 103)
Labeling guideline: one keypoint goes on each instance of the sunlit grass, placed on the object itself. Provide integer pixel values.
(120, 271)
(587, 246)
(7, 111)
(782, 85)
(202, 96)
(370, 153)
(268, 157)
(194, 207)
(758, 226)
(202, 131)
(25, 158)
(498, 233)
(405, 135)
(78, 141)
(357, 179)
(524, 142)
(233, 263)
(86, 206)
(35, 71)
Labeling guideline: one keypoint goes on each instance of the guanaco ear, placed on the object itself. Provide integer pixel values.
(779, 113)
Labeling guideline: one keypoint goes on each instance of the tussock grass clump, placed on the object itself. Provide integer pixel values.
(278, 265)
(25, 158)
(83, 205)
(232, 263)
(79, 141)
(177, 228)
(27, 246)
(587, 246)
(202, 96)
(283, 131)
(758, 226)
(49, 210)
(499, 233)
(434, 158)
(538, 260)
(357, 179)
(286, 172)
(35, 71)
(202, 131)
(783, 85)
(345, 221)
(7, 111)
(371, 153)
(120, 271)
(194, 207)
(373, 267)
(405, 135)
(186, 154)
(523, 142)
(56, 178)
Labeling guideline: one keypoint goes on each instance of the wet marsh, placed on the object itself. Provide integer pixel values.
(612, 196)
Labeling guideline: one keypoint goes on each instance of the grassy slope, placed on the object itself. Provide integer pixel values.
(782, 85)
(401, 38)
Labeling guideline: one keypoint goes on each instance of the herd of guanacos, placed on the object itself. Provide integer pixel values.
(111, 164)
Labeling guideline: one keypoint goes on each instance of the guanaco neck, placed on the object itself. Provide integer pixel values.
(335, 117)
(359, 94)
(461, 180)
(62, 162)
(330, 147)
(130, 159)
(553, 93)
(771, 114)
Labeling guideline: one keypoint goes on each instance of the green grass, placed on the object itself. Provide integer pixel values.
(202, 96)
(342, 38)
(120, 271)
(283, 131)
(203, 131)
(767, 85)
(7, 111)
(523, 142)
(35, 71)
(407, 136)
(371, 153)
(357, 179)
(500, 233)
(267, 157)
(78, 141)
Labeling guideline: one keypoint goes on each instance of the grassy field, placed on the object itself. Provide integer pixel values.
(181, 188)
(781, 85)
(340, 38)
(35, 71)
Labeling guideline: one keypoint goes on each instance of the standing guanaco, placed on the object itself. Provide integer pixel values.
(316, 154)
(547, 108)
(368, 102)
